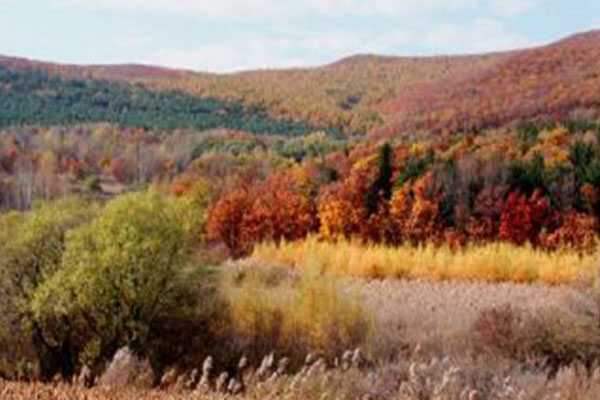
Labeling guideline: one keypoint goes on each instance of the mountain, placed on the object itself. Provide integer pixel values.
(389, 96)
(30, 95)
(553, 82)
(109, 72)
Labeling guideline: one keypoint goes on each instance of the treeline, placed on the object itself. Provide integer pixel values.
(38, 163)
(531, 186)
(29, 97)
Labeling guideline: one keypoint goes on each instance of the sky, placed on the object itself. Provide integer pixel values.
(234, 35)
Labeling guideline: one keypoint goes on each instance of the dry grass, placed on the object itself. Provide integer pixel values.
(497, 262)
(410, 379)
(273, 310)
(427, 325)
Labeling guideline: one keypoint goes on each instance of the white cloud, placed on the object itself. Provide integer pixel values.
(511, 8)
(484, 35)
(287, 45)
(272, 9)
(296, 50)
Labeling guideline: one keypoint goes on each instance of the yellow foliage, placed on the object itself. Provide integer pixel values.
(497, 262)
(294, 313)
(418, 149)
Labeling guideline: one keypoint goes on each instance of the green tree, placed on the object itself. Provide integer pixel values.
(123, 277)
(382, 187)
(31, 245)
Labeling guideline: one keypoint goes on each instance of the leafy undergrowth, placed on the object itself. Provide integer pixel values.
(497, 262)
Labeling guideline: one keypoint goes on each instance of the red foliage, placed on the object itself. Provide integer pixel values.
(548, 81)
(424, 224)
(578, 231)
(281, 209)
(225, 221)
(523, 219)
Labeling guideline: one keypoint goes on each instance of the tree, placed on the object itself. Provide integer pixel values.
(381, 189)
(523, 218)
(121, 277)
(341, 207)
(283, 208)
(225, 221)
(32, 244)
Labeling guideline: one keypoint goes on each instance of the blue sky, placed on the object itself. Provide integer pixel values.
(231, 35)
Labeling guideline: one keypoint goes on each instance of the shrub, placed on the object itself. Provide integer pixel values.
(555, 337)
(92, 183)
(578, 231)
(121, 278)
(31, 244)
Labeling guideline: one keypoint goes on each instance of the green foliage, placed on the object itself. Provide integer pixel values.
(31, 247)
(527, 135)
(381, 189)
(414, 168)
(585, 163)
(526, 176)
(234, 147)
(315, 145)
(32, 243)
(92, 183)
(122, 276)
(580, 125)
(33, 97)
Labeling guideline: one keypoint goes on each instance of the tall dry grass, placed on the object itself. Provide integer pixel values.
(496, 262)
(273, 310)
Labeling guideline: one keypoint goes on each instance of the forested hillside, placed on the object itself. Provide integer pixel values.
(547, 83)
(32, 96)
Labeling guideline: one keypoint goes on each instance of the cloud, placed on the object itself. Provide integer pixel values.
(274, 9)
(511, 8)
(278, 51)
(256, 34)
(301, 49)
(484, 35)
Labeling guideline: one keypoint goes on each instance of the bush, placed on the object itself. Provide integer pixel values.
(124, 280)
(554, 337)
(31, 245)
(92, 184)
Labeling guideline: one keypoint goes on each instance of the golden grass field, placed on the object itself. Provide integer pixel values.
(496, 262)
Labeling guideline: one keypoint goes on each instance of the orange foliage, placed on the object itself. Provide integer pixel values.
(578, 231)
(282, 209)
(225, 221)
(341, 207)
(424, 223)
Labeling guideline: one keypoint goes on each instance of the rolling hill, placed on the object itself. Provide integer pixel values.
(389, 96)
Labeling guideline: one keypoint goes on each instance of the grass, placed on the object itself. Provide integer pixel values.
(496, 262)
(272, 310)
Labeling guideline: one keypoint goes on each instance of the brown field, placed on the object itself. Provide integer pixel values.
(430, 340)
